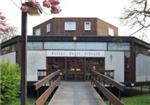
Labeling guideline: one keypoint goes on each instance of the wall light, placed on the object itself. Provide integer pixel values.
(74, 38)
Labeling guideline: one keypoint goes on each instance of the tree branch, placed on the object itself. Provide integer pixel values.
(136, 31)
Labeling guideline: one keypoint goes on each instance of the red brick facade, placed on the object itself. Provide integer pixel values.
(98, 27)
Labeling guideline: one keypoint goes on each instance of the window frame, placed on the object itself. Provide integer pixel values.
(87, 28)
(38, 30)
(68, 27)
(111, 31)
(48, 27)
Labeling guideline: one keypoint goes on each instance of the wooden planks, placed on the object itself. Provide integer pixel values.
(76, 93)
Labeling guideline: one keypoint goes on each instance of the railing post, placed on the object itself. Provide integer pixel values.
(119, 94)
(92, 77)
(37, 94)
(110, 88)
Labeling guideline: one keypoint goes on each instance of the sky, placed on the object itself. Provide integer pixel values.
(107, 10)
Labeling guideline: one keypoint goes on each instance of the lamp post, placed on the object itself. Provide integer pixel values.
(23, 58)
(31, 7)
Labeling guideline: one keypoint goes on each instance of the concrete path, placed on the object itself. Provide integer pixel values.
(76, 93)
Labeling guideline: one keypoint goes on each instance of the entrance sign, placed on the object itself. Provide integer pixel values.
(75, 53)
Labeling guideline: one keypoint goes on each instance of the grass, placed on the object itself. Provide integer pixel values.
(135, 100)
(30, 101)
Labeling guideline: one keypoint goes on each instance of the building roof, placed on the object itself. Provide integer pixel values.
(78, 39)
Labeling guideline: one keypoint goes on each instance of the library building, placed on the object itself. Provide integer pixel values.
(78, 45)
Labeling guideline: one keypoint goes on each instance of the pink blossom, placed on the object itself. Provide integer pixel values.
(36, 5)
(31, 1)
(2, 17)
(2, 23)
(54, 2)
(24, 8)
(6, 29)
(55, 9)
(3, 28)
(46, 4)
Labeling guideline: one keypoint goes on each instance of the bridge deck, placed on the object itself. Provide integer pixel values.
(76, 93)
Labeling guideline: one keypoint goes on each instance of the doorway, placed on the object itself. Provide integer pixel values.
(75, 68)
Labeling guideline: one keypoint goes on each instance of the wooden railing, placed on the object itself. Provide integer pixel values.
(109, 73)
(101, 80)
(54, 79)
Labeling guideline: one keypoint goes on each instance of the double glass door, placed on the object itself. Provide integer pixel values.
(75, 68)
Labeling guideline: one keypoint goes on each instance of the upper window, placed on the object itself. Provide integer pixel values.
(110, 31)
(48, 27)
(38, 32)
(70, 26)
(87, 26)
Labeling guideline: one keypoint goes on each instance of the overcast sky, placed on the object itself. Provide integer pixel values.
(107, 10)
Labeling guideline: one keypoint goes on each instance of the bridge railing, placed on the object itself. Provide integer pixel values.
(54, 79)
(109, 73)
(101, 80)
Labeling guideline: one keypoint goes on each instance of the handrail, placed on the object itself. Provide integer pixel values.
(42, 99)
(39, 83)
(97, 78)
(108, 94)
(110, 81)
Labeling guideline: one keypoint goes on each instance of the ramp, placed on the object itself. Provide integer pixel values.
(76, 93)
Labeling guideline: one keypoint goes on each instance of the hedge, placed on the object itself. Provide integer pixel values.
(9, 82)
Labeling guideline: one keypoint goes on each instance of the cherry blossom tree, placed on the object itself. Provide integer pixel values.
(3, 27)
(6, 31)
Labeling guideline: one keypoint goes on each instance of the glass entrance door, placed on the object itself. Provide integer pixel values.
(75, 68)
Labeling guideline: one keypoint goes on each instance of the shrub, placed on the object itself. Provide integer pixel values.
(9, 82)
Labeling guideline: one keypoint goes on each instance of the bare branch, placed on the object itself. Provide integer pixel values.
(136, 31)
(138, 14)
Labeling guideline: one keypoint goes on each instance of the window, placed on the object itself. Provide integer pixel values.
(48, 27)
(87, 26)
(35, 45)
(75, 46)
(118, 46)
(38, 32)
(70, 26)
(110, 31)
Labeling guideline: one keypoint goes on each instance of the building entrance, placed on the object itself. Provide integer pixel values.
(75, 68)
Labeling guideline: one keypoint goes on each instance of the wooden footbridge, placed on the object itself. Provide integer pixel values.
(78, 93)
